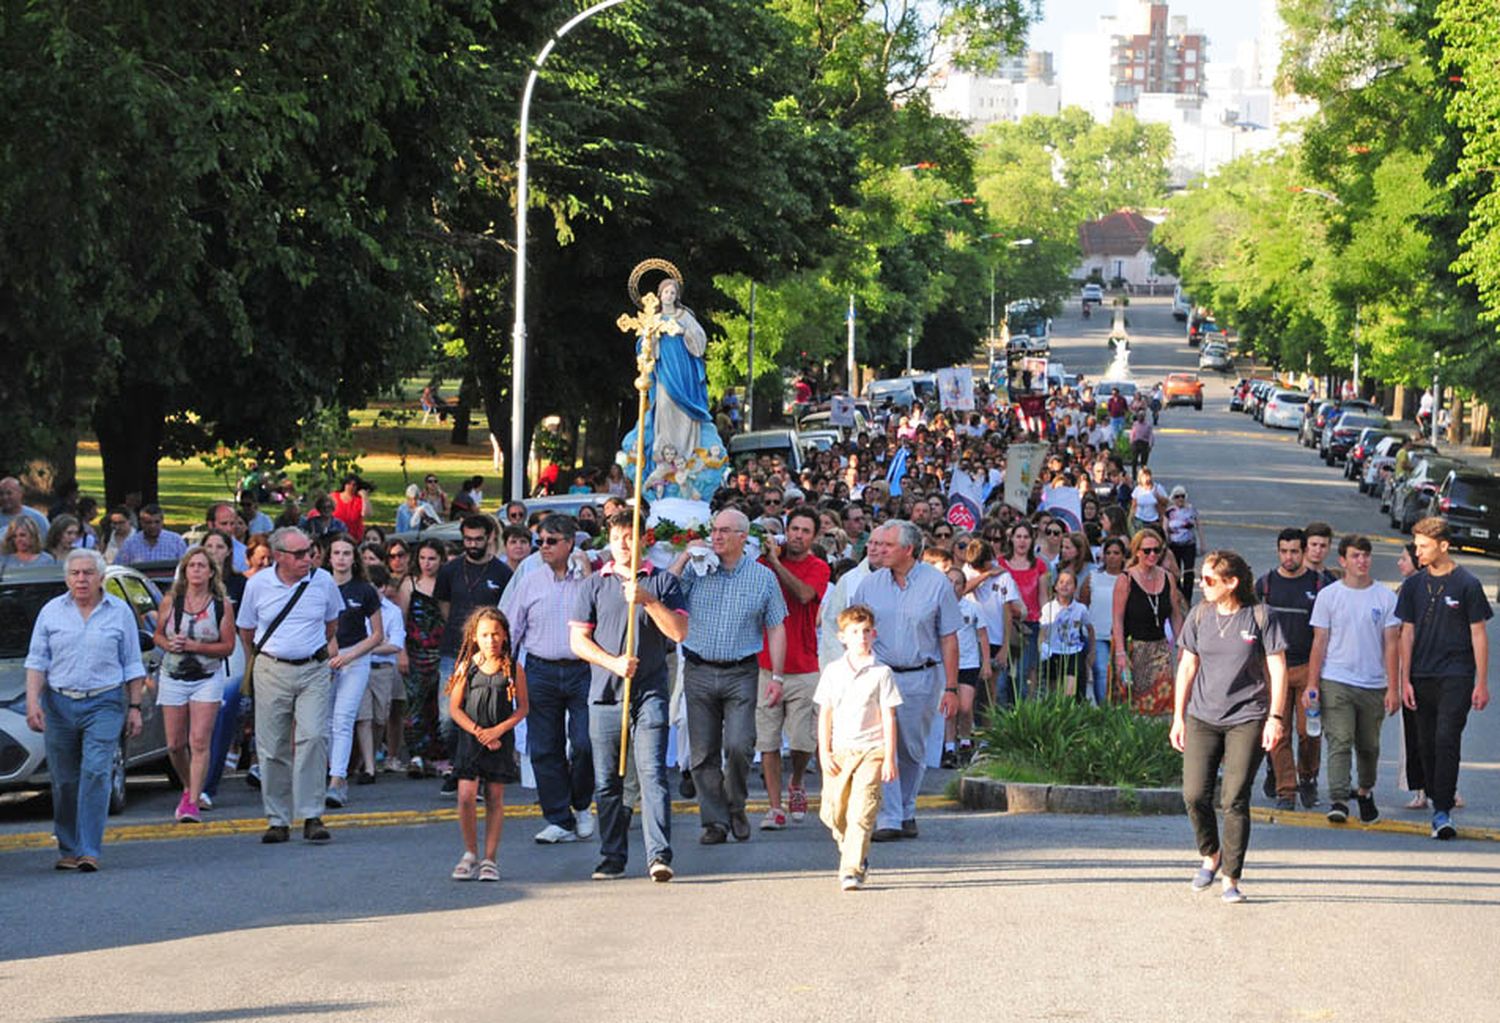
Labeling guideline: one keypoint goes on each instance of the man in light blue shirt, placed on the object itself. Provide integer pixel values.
(83, 688)
(916, 636)
(732, 611)
(151, 542)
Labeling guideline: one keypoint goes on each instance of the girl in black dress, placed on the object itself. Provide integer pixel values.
(487, 695)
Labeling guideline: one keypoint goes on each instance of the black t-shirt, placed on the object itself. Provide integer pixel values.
(466, 586)
(601, 603)
(1292, 600)
(1440, 609)
(1232, 686)
(360, 602)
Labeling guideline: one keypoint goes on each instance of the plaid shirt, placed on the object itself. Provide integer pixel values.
(538, 607)
(169, 547)
(728, 611)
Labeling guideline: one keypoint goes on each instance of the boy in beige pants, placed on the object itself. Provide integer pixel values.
(856, 700)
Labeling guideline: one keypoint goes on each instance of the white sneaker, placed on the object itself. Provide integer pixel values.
(586, 825)
(554, 835)
(205, 802)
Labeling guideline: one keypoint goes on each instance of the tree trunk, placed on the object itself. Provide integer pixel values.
(462, 407)
(130, 430)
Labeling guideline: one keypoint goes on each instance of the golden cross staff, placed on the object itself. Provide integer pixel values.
(648, 326)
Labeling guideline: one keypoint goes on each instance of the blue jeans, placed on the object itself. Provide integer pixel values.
(559, 716)
(1101, 671)
(648, 749)
(225, 729)
(81, 738)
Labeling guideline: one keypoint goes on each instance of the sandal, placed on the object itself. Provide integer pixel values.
(465, 870)
(1418, 801)
(488, 871)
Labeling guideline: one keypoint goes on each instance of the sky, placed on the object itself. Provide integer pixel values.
(1225, 23)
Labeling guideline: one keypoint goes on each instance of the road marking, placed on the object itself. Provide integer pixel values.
(380, 819)
(1303, 819)
(1232, 524)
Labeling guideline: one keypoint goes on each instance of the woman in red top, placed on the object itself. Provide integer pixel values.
(1035, 583)
(351, 504)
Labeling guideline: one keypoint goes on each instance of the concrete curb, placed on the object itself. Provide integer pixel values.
(1020, 797)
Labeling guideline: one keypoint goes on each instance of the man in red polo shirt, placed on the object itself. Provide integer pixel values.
(787, 703)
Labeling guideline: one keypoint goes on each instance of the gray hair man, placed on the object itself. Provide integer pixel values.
(916, 636)
(732, 611)
(293, 683)
(83, 691)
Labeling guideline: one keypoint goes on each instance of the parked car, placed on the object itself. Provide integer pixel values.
(23, 753)
(1093, 292)
(1181, 304)
(1363, 448)
(1313, 423)
(1341, 433)
(1379, 463)
(818, 440)
(760, 443)
(1215, 356)
(1412, 496)
(820, 419)
(1200, 324)
(1470, 500)
(1410, 454)
(898, 392)
(1183, 389)
(562, 504)
(1260, 393)
(1283, 410)
(1237, 395)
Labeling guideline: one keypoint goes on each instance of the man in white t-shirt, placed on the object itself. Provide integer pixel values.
(1351, 671)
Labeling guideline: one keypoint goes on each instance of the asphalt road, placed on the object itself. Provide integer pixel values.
(986, 916)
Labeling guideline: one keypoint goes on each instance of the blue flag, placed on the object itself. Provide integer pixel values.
(894, 474)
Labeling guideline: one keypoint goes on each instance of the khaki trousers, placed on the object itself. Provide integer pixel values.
(292, 703)
(1309, 753)
(849, 803)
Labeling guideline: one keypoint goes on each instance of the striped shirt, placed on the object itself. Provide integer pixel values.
(728, 610)
(538, 607)
(101, 651)
(168, 547)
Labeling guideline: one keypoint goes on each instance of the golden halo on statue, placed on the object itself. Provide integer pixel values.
(644, 267)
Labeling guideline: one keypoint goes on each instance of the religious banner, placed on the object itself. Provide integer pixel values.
(1064, 504)
(841, 410)
(956, 388)
(1023, 463)
(963, 514)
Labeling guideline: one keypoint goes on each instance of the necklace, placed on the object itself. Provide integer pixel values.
(1152, 599)
(1223, 621)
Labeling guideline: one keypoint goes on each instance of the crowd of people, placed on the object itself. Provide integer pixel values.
(846, 615)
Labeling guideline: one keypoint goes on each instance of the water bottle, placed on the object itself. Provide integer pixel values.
(1314, 716)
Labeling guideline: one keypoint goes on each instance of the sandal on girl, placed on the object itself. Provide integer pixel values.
(465, 870)
(1418, 801)
(488, 871)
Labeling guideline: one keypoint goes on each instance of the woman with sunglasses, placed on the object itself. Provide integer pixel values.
(1032, 579)
(1049, 534)
(1145, 602)
(1232, 672)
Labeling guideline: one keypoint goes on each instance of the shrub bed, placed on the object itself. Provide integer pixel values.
(1063, 742)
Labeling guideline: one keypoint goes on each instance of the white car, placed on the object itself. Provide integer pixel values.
(1284, 409)
(1093, 293)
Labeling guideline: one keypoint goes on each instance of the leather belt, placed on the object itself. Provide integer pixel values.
(561, 662)
(696, 659)
(297, 662)
(84, 694)
(916, 667)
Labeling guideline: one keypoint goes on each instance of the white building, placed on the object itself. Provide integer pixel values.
(1022, 85)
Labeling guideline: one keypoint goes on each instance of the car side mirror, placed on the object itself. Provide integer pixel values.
(147, 641)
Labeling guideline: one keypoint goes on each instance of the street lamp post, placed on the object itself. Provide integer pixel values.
(518, 330)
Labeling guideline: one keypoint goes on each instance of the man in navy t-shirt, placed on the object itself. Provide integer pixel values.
(1445, 657)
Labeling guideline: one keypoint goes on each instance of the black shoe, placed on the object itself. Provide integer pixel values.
(314, 831)
(1286, 803)
(949, 760)
(608, 870)
(364, 778)
(660, 871)
(1368, 812)
(713, 835)
(965, 754)
(252, 776)
(885, 835)
(276, 834)
(739, 825)
(1269, 785)
(450, 785)
(686, 786)
(1338, 813)
(1308, 790)
(909, 828)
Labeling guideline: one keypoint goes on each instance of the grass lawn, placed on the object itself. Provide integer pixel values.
(188, 488)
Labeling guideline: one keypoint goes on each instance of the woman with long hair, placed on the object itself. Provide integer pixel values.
(1231, 674)
(424, 640)
(1145, 603)
(358, 632)
(257, 554)
(1074, 555)
(1032, 580)
(227, 725)
(62, 536)
(195, 632)
(1101, 603)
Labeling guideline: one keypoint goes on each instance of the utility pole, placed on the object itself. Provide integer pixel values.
(750, 367)
(850, 318)
(908, 350)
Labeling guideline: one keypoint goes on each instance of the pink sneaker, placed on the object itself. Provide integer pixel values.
(187, 810)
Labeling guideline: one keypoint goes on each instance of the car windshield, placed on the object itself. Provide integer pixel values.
(19, 606)
(1353, 422)
(1293, 396)
(1476, 490)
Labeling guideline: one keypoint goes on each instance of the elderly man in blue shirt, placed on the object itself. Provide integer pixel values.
(916, 636)
(83, 691)
(733, 610)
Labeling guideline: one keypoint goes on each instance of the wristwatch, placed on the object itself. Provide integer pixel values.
(777, 678)
(135, 706)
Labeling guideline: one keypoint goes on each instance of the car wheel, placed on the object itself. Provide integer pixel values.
(117, 779)
(1198, 405)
